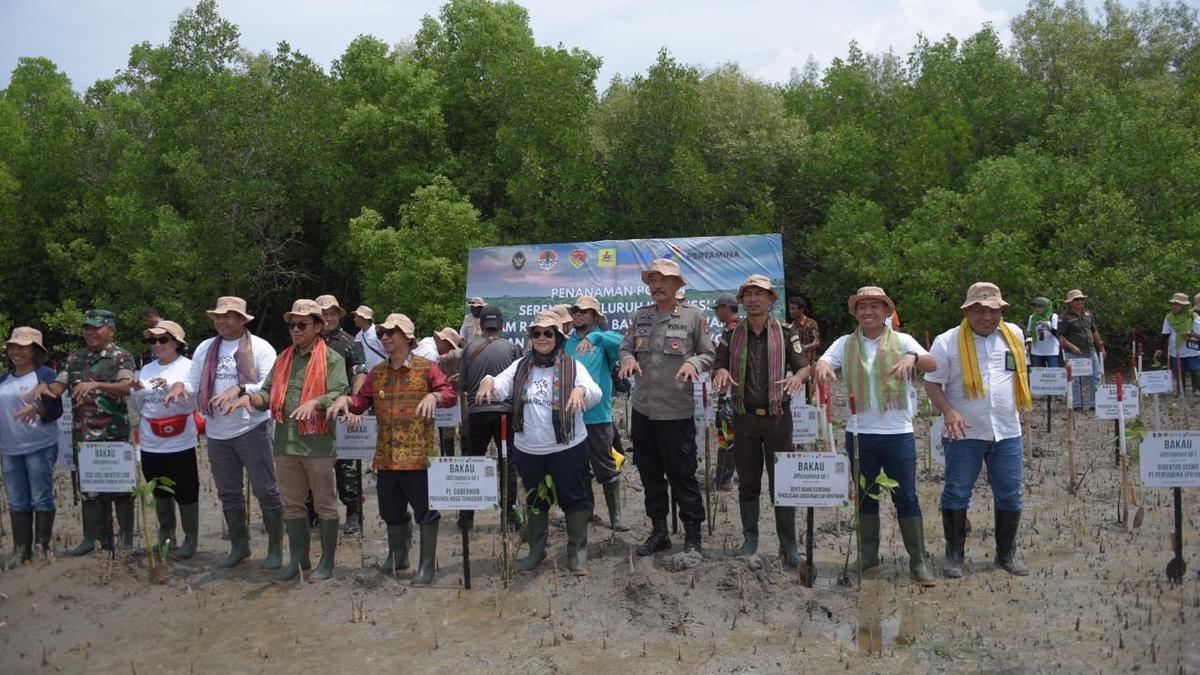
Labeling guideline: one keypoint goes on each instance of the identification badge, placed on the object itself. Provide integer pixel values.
(1010, 362)
(639, 343)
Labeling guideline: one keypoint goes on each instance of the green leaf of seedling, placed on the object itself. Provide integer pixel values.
(873, 495)
(168, 490)
(163, 480)
(862, 482)
(885, 482)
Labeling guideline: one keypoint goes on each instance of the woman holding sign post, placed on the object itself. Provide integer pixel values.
(550, 391)
(405, 390)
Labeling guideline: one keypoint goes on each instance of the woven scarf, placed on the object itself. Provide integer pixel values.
(247, 372)
(312, 387)
(1047, 315)
(973, 380)
(1181, 323)
(564, 382)
(739, 350)
(861, 379)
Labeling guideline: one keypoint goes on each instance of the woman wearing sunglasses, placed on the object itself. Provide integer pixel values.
(550, 391)
(168, 437)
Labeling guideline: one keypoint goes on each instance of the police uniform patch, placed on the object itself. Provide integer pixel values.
(639, 343)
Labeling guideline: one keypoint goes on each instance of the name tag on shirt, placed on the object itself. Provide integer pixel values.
(1010, 362)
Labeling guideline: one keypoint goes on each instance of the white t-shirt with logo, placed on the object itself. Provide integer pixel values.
(1184, 351)
(537, 437)
(149, 401)
(22, 438)
(871, 420)
(1044, 342)
(220, 426)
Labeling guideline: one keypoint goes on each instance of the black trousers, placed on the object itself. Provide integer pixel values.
(757, 440)
(399, 490)
(569, 470)
(666, 454)
(484, 428)
(180, 467)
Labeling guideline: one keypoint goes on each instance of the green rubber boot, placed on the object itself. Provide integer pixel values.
(785, 527)
(22, 528)
(399, 538)
(164, 508)
(43, 526)
(92, 514)
(577, 524)
(239, 537)
(428, 560)
(189, 516)
(749, 512)
(329, 539)
(612, 497)
(124, 509)
(869, 527)
(539, 530)
(298, 540)
(913, 531)
(273, 521)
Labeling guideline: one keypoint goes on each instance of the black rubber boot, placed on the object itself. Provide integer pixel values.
(869, 527)
(104, 525)
(577, 524)
(785, 527)
(539, 530)
(164, 508)
(124, 509)
(298, 541)
(749, 514)
(954, 527)
(43, 526)
(399, 538)
(659, 539)
(428, 554)
(1006, 543)
(913, 532)
(239, 537)
(691, 536)
(22, 529)
(92, 511)
(273, 522)
(612, 497)
(723, 481)
(329, 540)
(189, 517)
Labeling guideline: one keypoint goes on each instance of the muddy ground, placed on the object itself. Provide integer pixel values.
(1097, 601)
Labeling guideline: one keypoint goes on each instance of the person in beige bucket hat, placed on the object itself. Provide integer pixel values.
(28, 444)
(372, 349)
(239, 443)
(1181, 335)
(1081, 341)
(347, 471)
(878, 364)
(470, 327)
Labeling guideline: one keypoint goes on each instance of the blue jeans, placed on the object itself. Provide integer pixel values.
(1080, 385)
(29, 480)
(896, 454)
(964, 458)
(1040, 361)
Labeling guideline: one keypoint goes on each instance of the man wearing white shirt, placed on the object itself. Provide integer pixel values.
(225, 368)
(878, 364)
(980, 386)
(1180, 331)
(364, 320)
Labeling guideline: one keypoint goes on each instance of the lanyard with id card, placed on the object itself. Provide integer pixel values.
(1010, 362)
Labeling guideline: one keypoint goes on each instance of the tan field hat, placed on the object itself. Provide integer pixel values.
(449, 335)
(1180, 299)
(757, 281)
(25, 336)
(477, 302)
(563, 312)
(588, 302)
(402, 322)
(984, 293)
(330, 302)
(364, 312)
(302, 308)
(167, 328)
(229, 303)
(547, 319)
(871, 293)
(1075, 295)
(667, 268)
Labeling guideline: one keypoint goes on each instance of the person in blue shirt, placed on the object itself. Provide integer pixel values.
(597, 350)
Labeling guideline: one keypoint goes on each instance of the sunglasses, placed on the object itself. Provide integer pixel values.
(547, 333)
(160, 340)
(388, 332)
(300, 325)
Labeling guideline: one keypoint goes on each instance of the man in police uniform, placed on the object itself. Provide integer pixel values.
(667, 347)
(99, 376)
(347, 471)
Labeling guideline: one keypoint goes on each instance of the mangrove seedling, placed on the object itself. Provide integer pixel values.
(882, 484)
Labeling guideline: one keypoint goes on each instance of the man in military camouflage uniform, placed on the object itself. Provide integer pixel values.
(347, 471)
(99, 376)
(667, 347)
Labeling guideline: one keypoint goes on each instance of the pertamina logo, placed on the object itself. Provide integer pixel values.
(518, 260)
(578, 257)
(548, 260)
(606, 257)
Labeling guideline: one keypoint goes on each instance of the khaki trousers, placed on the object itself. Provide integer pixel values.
(297, 476)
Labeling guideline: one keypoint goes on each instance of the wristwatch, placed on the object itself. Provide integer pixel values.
(916, 356)
(241, 390)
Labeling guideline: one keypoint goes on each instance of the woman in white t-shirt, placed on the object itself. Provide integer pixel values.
(168, 436)
(550, 391)
(28, 443)
(1042, 332)
(878, 364)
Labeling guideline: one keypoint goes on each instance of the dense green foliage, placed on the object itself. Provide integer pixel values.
(1070, 158)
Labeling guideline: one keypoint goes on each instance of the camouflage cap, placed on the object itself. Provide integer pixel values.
(99, 317)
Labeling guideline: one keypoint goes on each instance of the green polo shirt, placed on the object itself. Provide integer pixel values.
(288, 439)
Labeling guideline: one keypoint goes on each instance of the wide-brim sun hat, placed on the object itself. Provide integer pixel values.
(402, 322)
(584, 302)
(1180, 299)
(303, 308)
(756, 281)
(229, 303)
(330, 302)
(26, 336)
(870, 293)
(364, 312)
(665, 267)
(547, 319)
(986, 294)
(1075, 294)
(167, 328)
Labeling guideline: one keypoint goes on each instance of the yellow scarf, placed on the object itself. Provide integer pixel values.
(973, 381)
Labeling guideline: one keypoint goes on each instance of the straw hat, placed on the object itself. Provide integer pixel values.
(302, 308)
(984, 293)
(167, 328)
(330, 302)
(871, 293)
(667, 268)
(1180, 299)
(547, 319)
(757, 281)
(364, 312)
(25, 336)
(229, 303)
(402, 322)
(449, 335)
(1075, 295)
(588, 302)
